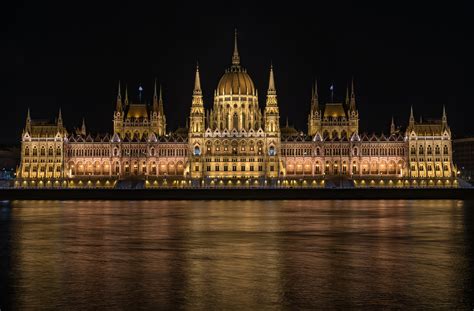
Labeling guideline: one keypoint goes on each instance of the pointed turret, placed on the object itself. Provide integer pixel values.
(197, 114)
(160, 102)
(28, 121)
(60, 118)
(444, 118)
(235, 56)
(118, 106)
(197, 82)
(83, 127)
(271, 83)
(347, 97)
(411, 121)
(392, 127)
(155, 98)
(126, 95)
(352, 100)
(315, 99)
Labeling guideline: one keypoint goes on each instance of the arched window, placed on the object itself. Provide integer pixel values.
(235, 121)
(429, 151)
(420, 150)
(413, 150)
(27, 151)
(445, 149)
(50, 151)
(437, 150)
(271, 151)
(58, 151)
(197, 151)
(355, 151)
(318, 151)
(43, 151)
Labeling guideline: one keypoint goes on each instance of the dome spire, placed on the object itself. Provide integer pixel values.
(235, 56)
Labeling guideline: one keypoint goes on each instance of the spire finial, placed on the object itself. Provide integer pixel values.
(28, 117)
(60, 115)
(126, 94)
(352, 88)
(352, 101)
(155, 94)
(161, 95)
(271, 82)
(83, 127)
(392, 127)
(286, 121)
(316, 88)
(119, 93)
(347, 95)
(444, 113)
(197, 82)
(235, 56)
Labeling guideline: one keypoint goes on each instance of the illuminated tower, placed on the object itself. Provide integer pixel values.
(272, 128)
(196, 128)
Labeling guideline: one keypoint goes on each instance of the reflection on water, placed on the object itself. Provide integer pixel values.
(236, 254)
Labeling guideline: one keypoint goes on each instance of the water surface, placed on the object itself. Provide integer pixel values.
(236, 254)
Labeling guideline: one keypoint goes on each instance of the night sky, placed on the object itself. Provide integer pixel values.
(57, 54)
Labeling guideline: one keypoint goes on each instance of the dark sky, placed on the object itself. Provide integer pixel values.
(59, 54)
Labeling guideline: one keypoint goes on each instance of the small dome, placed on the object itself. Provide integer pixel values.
(234, 79)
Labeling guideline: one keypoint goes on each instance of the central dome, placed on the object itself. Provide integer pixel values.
(235, 80)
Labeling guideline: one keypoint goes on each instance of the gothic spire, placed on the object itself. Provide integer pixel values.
(444, 119)
(155, 97)
(411, 121)
(235, 56)
(347, 96)
(160, 102)
(126, 95)
(314, 98)
(392, 127)
(28, 121)
(197, 82)
(352, 102)
(83, 127)
(271, 82)
(60, 118)
(119, 99)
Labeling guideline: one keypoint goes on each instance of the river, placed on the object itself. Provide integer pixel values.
(258, 255)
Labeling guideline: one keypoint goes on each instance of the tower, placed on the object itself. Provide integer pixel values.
(119, 111)
(271, 114)
(314, 118)
(353, 112)
(196, 128)
(392, 127)
(272, 128)
(158, 118)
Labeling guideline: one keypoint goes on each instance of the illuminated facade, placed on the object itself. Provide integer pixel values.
(236, 143)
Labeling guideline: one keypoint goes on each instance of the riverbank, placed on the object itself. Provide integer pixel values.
(236, 194)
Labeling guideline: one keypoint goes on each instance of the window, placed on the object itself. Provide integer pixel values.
(208, 168)
(242, 168)
(271, 151)
(260, 168)
(27, 151)
(197, 151)
(272, 168)
(196, 168)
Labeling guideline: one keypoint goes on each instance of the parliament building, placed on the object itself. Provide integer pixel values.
(235, 144)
